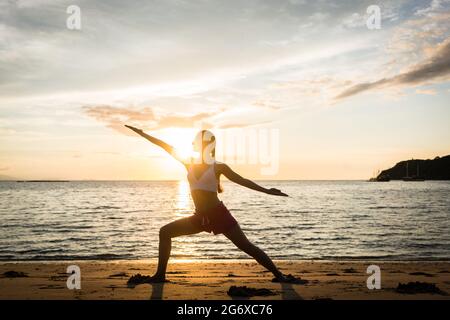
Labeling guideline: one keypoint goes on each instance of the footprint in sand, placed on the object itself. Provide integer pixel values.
(52, 286)
(419, 287)
(118, 275)
(421, 274)
(14, 274)
(245, 291)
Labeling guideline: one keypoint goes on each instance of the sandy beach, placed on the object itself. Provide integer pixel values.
(212, 280)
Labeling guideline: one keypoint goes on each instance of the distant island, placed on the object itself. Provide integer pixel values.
(417, 170)
(42, 181)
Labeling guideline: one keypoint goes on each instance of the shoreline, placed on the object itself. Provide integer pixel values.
(211, 280)
(223, 260)
(174, 180)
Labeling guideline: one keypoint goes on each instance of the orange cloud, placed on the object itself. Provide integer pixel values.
(426, 91)
(116, 117)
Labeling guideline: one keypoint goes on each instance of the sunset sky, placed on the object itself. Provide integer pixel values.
(346, 100)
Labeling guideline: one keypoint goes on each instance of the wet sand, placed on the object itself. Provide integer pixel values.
(212, 279)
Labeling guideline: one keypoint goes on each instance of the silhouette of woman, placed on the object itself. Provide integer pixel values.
(210, 215)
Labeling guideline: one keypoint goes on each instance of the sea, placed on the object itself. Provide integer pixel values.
(320, 220)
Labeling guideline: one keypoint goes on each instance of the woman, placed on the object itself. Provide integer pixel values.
(210, 213)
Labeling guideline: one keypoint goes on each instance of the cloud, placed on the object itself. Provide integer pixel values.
(145, 118)
(266, 105)
(426, 91)
(116, 117)
(314, 85)
(434, 6)
(156, 53)
(242, 125)
(107, 113)
(158, 42)
(437, 67)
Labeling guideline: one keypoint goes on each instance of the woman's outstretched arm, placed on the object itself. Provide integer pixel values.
(236, 178)
(167, 147)
(152, 139)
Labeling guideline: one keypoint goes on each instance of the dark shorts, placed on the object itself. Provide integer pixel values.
(218, 220)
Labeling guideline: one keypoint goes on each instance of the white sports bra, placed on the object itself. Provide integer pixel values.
(206, 182)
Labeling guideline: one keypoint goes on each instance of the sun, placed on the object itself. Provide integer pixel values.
(181, 140)
(184, 152)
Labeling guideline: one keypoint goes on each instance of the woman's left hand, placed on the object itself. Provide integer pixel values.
(276, 192)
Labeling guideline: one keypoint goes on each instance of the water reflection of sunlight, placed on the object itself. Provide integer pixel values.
(184, 206)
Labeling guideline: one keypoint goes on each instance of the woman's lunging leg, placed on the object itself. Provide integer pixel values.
(237, 236)
(174, 229)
